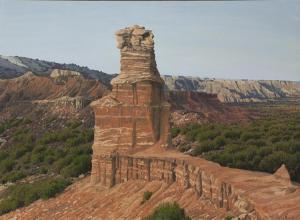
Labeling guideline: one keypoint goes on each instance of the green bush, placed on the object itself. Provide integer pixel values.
(6, 165)
(174, 132)
(168, 211)
(206, 135)
(232, 134)
(81, 164)
(23, 195)
(12, 176)
(250, 135)
(8, 205)
(146, 196)
(3, 155)
(263, 144)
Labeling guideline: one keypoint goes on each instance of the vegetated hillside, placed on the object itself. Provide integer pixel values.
(46, 133)
(236, 90)
(42, 153)
(263, 144)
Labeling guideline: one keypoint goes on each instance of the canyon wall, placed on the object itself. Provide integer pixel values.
(231, 91)
(120, 168)
(248, 195)
(235, 90)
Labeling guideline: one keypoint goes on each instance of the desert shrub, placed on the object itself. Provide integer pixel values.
(256, 142)
(8, 205)
(191, 135)
(168, 211)
(273, 161)
(89, 135)
(225, 159)
(12, 176)
(252, 145)
(206, 135)
(250, 135)
(146, 196)
(3, 155)
(68, 148)
(37, 158)
(73, 124)
(219, 142)
(294, 146)
(232, 148)
(296, 136)
(24, 194)
(43, 170)
(81, 164)
(51, 188)
(61, 163)
(232, 134)
(175, 131)
(6, 165)
(21, 150)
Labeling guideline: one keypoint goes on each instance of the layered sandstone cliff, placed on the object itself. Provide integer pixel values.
(236, 90)
(131, 135)
(135, 115)
(227, 90)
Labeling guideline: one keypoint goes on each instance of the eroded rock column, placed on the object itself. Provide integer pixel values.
(135, 116)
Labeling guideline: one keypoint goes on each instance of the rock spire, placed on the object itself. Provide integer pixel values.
(135, 116)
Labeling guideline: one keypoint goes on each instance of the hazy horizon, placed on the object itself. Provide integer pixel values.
(222, 40)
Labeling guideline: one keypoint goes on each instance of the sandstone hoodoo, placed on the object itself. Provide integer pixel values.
(135, 116)
(132, 136)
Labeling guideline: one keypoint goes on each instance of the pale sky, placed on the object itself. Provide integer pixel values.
(233, 40)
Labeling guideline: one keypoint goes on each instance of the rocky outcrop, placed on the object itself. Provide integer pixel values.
(132, 136)
(85, 201)
(135, 115)
(78, 102)
(200, 107)
(31, 87)
(283, 173)
(236, 90)
(56, 73)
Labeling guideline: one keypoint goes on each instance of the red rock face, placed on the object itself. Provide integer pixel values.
(135, 116)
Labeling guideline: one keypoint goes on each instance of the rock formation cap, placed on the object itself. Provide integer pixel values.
(137, 56)
(135, 37)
